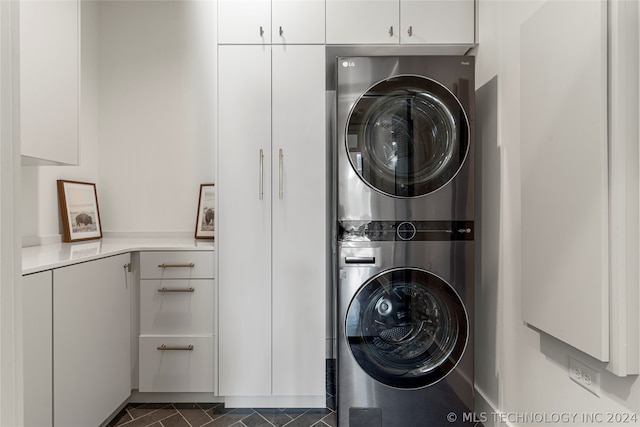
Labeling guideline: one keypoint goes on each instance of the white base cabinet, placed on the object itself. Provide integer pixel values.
(177, 322)
(92, 341)
(176, 364)
(37, 349)
(272, 221)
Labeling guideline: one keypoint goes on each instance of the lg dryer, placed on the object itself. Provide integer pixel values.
(405, 138)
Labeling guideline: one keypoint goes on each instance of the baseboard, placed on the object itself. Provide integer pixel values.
(143, 397)
(276, 401)
(487, 412)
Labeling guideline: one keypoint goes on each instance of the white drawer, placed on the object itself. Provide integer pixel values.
(177, 265)
(176, 370)
(177, 307)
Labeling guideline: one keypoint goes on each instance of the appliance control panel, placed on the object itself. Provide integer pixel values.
(384, 231)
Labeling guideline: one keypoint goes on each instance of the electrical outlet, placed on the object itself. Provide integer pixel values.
(587, 377)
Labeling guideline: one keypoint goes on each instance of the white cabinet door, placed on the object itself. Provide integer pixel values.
(92, 340)
(244, 22)
(297, 22)
(564, 174)
(272, 250)
(437, 21)
(244, 231)
(49, 81)
(362, 21)
(37, 348)
(299, 220)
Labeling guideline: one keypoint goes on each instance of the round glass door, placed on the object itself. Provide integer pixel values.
(407, 328)
(407, 136)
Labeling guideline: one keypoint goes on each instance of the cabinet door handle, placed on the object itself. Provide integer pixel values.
(410, 31)
(280, 31)
(281, 156)
(391, 31)
(261, 176)
(164, 347)
(167, 290)
(189, 265)
(261, 31)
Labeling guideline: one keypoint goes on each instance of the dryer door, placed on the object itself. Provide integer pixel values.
(407, 328)
(407, 136)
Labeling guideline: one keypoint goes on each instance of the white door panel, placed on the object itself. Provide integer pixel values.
(244, 220)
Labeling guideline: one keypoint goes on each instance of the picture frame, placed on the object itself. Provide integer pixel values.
(206, 212)
(79, 211)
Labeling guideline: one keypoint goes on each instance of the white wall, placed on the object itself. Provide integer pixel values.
(147, 120)
(157, 112)
(518, 370)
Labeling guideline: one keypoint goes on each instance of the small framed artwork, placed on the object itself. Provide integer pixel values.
(79, 211)
(204, 220)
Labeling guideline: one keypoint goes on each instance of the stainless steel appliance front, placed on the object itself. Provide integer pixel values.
(405, 337)
(405, 137)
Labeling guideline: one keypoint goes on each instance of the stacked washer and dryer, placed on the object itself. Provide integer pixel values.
(405, 240)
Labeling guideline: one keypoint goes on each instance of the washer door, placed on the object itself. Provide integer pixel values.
(407, 136)
(407, 328)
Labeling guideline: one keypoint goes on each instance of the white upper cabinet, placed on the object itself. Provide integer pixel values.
(441, 22)
(49, 81)
(244, 22)
(297, 22)
(362, 22)
(271, 21)
(437, 21)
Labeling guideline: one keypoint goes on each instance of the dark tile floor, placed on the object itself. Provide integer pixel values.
(216, 415)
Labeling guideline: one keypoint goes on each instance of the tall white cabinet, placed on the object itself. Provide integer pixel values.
(272, 225)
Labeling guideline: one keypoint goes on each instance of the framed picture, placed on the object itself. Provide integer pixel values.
(204, 220)
(79, 211)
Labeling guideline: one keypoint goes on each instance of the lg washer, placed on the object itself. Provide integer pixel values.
(404, 323)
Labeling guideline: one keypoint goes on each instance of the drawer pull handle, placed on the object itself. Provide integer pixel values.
(190, 265)
(164, 347)
(167, 291)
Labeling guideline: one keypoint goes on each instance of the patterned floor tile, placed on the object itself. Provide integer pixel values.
(216, 415)
(175, 420)
(151, 418)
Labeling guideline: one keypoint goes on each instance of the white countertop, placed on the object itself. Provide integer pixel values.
(46, 257)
